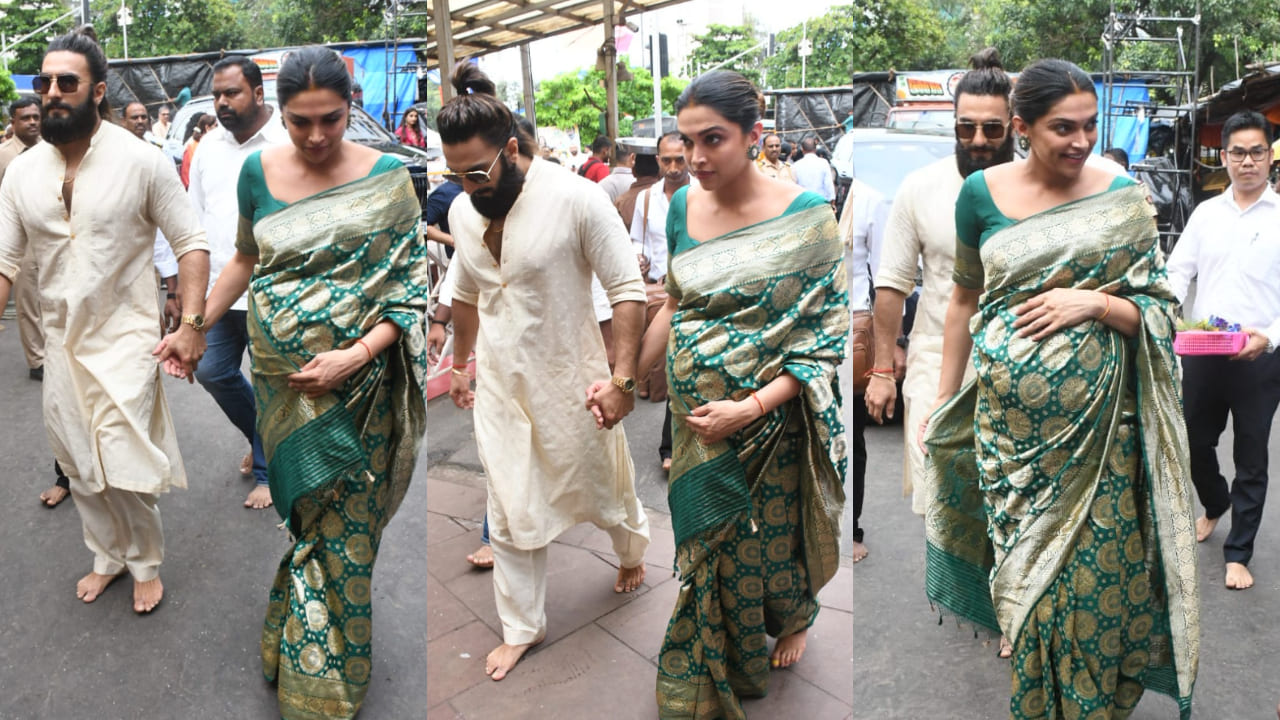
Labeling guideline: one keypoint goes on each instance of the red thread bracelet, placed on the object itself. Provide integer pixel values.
(366, 347)
(757, 399)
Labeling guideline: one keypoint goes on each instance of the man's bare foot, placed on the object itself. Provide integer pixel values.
(92, 585)
(859, 551)
(629, 578)
(1205, 526)
(246, 464)
(147, 595)
(54, 496)
(505, 657)
(482, 558)
(1238, 577)
(788, 650)
(1006, 650)
(259, 497)
(666, 464)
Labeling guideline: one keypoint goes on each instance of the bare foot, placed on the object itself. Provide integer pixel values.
(259, 497)
(629, 578)
(859, 551)
(54, 496)
(1238, 577)
(1205, 526)
(505, 657)
(92, 585)
(1006, 650)
(482, 558)
(246, 464)
(147, 595)
(788, 650)
(666, 464)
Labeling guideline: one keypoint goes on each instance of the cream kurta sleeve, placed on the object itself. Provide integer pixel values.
(606, 245)
(465, 288)
(171, 210)
(13, 238)
(900, 256)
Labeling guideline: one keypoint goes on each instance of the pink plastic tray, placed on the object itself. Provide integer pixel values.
(1207, 342)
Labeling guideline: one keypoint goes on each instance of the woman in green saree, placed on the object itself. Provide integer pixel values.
(757, 319)
(330, 251)
(1062, 517)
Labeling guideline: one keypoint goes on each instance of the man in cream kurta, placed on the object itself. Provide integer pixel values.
(104, 407)
(538, 349)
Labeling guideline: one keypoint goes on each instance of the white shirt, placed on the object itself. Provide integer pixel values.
(814, 174)
(650, 239)
(1234, 257)
(862, 224)
(215, 172)
(617, 182)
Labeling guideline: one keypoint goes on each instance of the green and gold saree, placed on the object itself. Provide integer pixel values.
(1062, 517)
(756, 517)
(332, 266)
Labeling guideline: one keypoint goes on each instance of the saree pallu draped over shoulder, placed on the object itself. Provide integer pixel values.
(332, 266)
(755, 517)
(1063, 515)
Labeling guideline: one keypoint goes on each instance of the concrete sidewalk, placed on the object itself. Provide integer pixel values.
(600, 656)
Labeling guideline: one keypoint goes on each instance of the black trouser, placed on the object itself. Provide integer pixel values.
(62, 480)
(857, 460)
(664, 445)
(1212, 387)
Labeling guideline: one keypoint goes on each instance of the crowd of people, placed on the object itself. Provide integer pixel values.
(1026, 322)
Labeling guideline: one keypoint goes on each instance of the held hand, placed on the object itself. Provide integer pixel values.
(169, 362)
(593, 405)
(185, 347)
(1046, 313)
(1254, 348)
(460, 391)
(717, 420)
(327, 371)
(881, 395)
(610, 402)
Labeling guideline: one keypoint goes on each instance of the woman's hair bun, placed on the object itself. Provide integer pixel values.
(468, 78)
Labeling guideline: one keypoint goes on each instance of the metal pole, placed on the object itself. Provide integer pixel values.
(804, 56)
(444, 47)
(84, 12)
(526, 74)
(125, 30)
(610, 73)
(4, 50)
(655, 59)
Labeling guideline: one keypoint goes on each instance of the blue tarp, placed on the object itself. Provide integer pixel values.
(1130, 131)
(372, 67)
(23, 83)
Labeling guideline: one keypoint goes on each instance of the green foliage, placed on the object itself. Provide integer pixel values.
(276, 23)
(577, 98)
(21, 18)
(867, 35)
(8, 91)
(167, 27)
(722, 42)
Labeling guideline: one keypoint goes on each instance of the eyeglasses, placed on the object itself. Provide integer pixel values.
(1257, 154)
(991, 130)
(42, 84)
(478, 177)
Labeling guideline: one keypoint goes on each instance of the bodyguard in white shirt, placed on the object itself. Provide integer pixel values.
(812, 172)
(1231, 248)
(246, 124)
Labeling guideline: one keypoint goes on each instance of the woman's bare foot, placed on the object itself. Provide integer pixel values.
(629, 578)
(259, 497)
(788, 650)
(92, 585)
(859, 551)
(246, 464)
(1006, 650)
(505, 657)
(666, 464)
(1239, 577)
(1205, 526)
(482, 558)
(54, 496)
(147, 595)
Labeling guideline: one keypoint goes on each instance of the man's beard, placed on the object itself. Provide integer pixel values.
(967, 164)
(232, 120)
(75, 126)
(496, 202)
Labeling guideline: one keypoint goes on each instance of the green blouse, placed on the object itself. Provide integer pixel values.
(978, 218)
(678, 239)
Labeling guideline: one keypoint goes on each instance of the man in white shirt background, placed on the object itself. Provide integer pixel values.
(1231, 248)
(812, 172)
(246, 124)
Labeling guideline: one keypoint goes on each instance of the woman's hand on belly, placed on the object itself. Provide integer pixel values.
(327, 371)
(1046, 313)
(717, 420)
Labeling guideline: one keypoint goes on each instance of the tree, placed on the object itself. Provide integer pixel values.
(867, 35)
(731, 48)
(22, 18)
(273, 23)
(167, 27)
(577, 99)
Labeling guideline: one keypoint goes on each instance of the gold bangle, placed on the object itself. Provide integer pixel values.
(1107, 310)
(884, 376)
(461, 373)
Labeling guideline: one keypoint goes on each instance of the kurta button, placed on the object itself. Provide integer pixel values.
(504, 284)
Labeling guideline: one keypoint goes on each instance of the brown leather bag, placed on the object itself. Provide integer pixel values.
(862, 349)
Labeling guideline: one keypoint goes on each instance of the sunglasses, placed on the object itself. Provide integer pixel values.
(42, 84)
(478, 177)
(991, 130)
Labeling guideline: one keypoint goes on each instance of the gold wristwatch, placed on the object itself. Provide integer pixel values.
(195, 321)
(625, 384)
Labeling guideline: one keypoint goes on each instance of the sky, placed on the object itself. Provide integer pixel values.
(578, 49)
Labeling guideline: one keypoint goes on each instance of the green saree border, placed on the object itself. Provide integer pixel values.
(313, 456)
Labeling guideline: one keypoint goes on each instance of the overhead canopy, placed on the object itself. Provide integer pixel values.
(485, 26)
